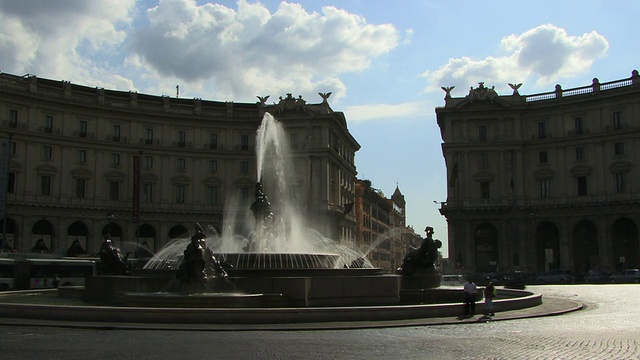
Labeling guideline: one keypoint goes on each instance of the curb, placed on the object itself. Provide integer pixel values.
(93, 317)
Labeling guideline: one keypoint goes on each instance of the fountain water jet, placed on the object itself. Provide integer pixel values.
(287, 235)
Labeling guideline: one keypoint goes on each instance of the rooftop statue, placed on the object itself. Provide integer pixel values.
(481, 93)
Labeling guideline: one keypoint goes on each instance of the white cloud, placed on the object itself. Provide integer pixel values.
(61, 38)
(544, 55)
(210, 50)
(238, 54)
(368, 112)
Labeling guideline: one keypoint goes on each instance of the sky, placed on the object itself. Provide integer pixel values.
(384, 61)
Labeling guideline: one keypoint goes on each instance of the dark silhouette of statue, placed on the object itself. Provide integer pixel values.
(76, 249)
(111, 259)
(261, 208)
(198, 264)
(422, 259)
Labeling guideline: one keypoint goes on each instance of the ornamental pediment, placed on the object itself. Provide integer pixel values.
(212, 180)
(544, 173)
(482, 97)
(46, 169)
(620, 166)
(581, 170)
(484, 176)
(115, 175)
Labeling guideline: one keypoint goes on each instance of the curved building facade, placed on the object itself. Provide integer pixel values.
(81, 162)
(544, 181)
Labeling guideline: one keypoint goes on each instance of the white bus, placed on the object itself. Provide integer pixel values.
(38, 273)
(7, 267)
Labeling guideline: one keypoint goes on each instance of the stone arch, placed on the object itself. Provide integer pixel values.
(586, 254)
(11, 233)
(486, 247)
(42, 231)
(547, 246)
(78, 230)
(178, 231)
(147, 237)
(625, 248)
(115, 231)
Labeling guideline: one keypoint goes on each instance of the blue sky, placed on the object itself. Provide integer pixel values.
(383, 61)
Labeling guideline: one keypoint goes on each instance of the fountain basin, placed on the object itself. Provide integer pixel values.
(285, 261)
(198, 300)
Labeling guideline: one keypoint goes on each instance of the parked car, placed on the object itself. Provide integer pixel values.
(597, 276)
(626, 276)
(556, 276)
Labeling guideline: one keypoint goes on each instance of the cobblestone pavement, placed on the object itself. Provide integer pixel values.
(608, 328)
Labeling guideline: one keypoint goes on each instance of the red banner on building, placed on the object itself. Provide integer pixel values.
(136, 189)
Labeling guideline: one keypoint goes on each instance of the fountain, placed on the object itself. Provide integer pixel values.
(272, 268)
(280, 258)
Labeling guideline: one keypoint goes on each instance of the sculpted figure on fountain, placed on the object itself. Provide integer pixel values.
(422, 259)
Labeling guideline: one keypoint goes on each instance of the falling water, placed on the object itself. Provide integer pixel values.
(289, 233)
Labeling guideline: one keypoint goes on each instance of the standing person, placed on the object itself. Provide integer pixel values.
(470, 294)
(489, 294)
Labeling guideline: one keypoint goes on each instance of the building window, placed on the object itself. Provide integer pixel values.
(542, 130)
(12, 147)
(181, 194)
(581, 153)
(82, 128)
(483, 161)
(618, 148)
(544, 188)
(147, 193)
(115, 132)
(581, 182)
(47, 153)
(484, 190)
(13, 118)
(244, 142)
(244, 168)
(182, 138)
(579, 126)
(213, 141)
(244, 195)
(482, 133)
(212, 195)
(81, 185)
(45, 185)
(115, 159)
(617, 119)
(293, 141)
(11, 183)
(182, 164)
(149, 138)
(48, 124)
(621, 182)
(213, 166)
(543, 157)
(148, 162)
(82, 156)
(114, 190)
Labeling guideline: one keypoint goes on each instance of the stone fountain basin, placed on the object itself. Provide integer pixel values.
(251, 260)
